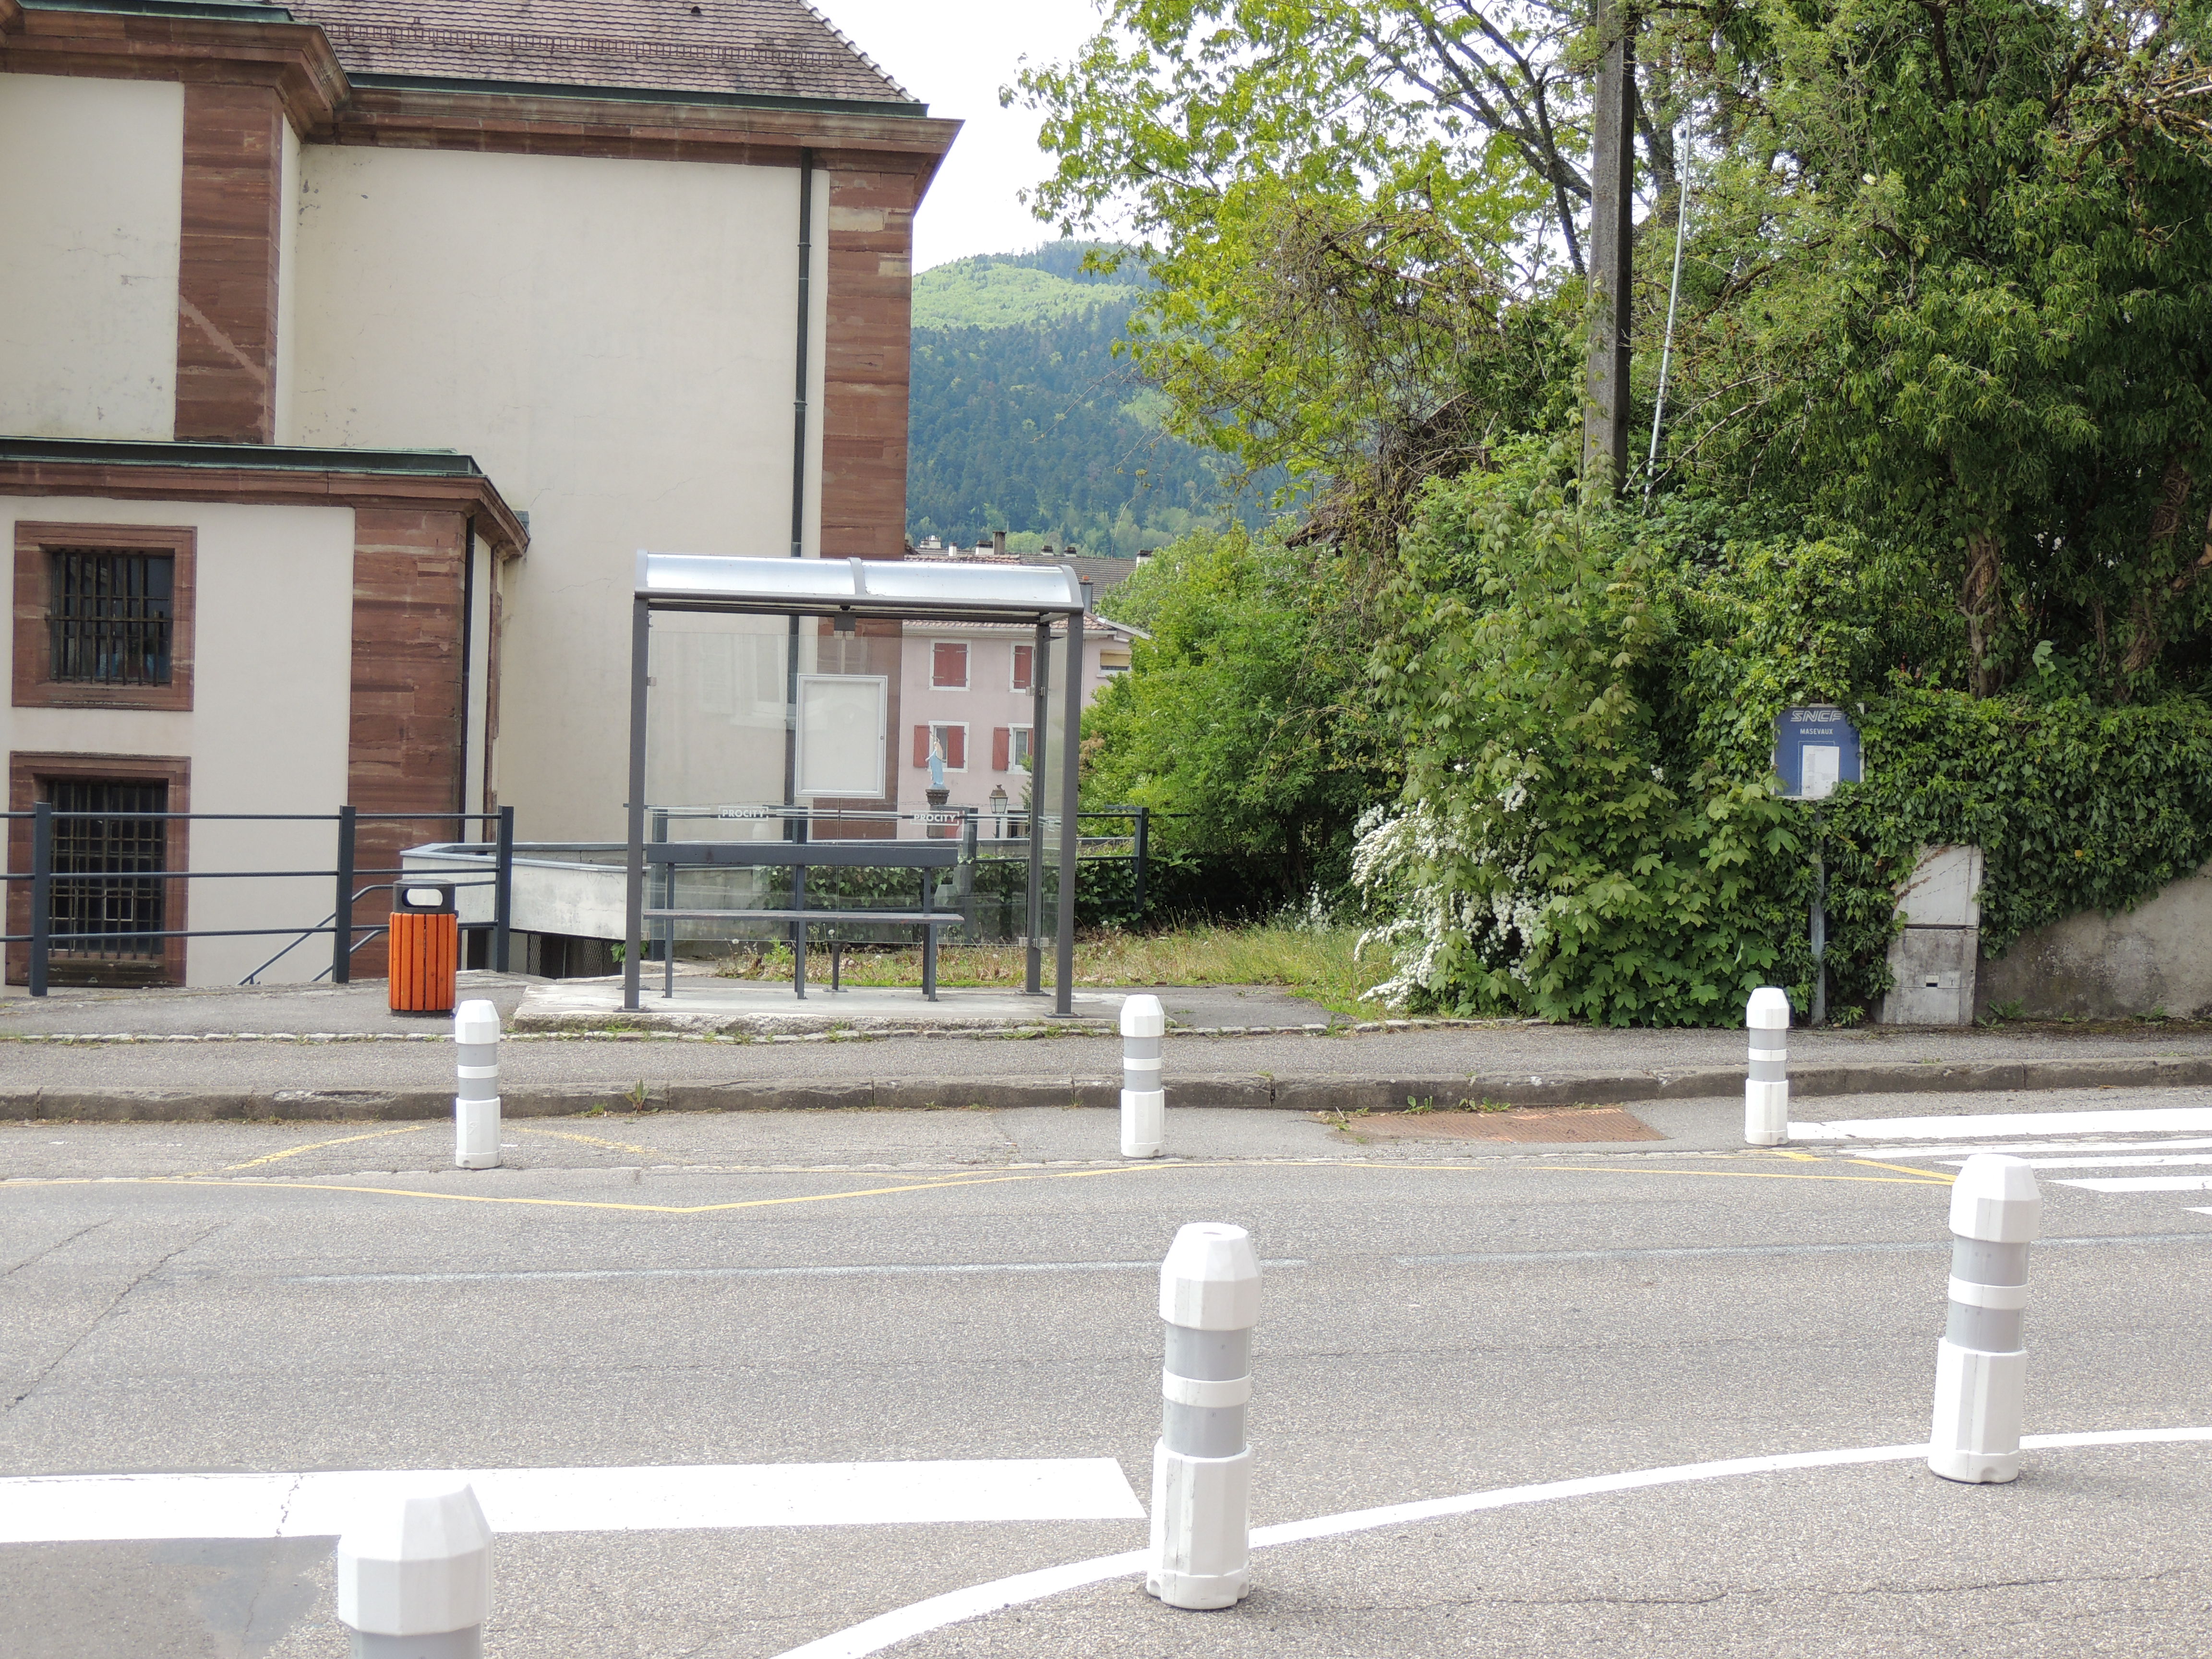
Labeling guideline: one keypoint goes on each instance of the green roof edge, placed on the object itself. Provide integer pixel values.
(124, 452)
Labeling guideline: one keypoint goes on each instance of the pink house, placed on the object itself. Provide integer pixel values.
(968, 688)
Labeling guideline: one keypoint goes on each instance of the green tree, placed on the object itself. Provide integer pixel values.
(1550, 853)
(1952, 289)
(1238, 720)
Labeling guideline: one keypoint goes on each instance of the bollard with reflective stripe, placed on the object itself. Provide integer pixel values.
(476, 1101)
(415, 1572)
(1766, 1086)
(1203, 1468)
(1981, 1363)
(1144, 1102)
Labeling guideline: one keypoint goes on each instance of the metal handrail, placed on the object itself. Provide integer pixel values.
(347, 937)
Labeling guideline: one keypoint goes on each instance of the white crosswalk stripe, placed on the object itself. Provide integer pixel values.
(2151, 1144)
(2097, 1163)
(2168, 1120)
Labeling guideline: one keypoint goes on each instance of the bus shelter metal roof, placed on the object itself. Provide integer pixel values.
(910, 590)
(900, 590)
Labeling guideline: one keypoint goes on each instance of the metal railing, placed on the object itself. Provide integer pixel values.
(347, 936)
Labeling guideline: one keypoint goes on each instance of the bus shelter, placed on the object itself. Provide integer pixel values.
(848, 592)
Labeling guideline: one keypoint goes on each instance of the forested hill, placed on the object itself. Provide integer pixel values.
(1023, 419)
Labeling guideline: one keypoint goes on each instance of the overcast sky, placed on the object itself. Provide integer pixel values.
(955, 55)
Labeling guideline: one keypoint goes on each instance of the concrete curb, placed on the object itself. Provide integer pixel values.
(1256, 1091)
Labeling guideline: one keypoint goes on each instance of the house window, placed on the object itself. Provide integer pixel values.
(1025, 667)
(103, 616)
(115, 866)
(109, 613)
(950, 740)
(107, 868)
(1010, 748)
(948, 667)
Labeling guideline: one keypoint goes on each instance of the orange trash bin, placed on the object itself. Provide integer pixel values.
(425, 947)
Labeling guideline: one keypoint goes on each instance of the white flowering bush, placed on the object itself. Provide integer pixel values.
(1541, 859)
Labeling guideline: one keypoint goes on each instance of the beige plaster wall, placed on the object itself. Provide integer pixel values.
(613, 341)
(91, 181)
(274, 607)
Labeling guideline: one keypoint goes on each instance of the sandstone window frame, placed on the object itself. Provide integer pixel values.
(28, 770)
(36, 543)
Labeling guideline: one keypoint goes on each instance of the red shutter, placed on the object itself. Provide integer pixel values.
(1025, 667)
(948, 666)
(921, 745)
(955, 747)
(1002, 746)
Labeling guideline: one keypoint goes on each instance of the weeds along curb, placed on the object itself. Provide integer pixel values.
(1257, 1092)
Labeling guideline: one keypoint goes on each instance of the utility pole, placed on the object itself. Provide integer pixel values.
(1613, 180)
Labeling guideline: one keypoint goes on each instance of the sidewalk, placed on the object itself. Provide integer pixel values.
(196, 1055)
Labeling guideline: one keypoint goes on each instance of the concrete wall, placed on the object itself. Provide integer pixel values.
(2157, 955)
(614, 342)
(258, 566)
(91, 176)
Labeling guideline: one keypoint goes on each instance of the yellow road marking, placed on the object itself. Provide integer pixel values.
(1917, 1179)
(589, 1141)
(597, 1204)
(293, 1152)
(1715, 1175)
(1935, 1176)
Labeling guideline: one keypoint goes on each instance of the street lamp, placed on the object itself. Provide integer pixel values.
(999, 809)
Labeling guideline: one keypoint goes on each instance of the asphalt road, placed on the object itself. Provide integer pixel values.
(900, 1286)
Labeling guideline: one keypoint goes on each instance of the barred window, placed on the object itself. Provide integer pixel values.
(111, 612)
(107, 863)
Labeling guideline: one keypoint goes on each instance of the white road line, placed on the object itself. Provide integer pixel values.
(2171, 1120)
(1951, 1149)
(2142, 1184)
(873, 1635)
(2120, 1162)
(93, 1508)
(1692, 1252)
(888, 1269)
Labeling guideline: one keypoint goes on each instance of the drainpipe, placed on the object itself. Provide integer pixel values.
(468, 633)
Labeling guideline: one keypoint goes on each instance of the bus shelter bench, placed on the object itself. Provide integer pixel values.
(799, 857)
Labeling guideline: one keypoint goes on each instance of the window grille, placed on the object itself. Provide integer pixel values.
(107, 868)
(112, 612)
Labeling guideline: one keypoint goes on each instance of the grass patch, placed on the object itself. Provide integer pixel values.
(1315, 963)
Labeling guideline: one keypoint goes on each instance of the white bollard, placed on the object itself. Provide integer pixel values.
(1144, 1101)
(415, 1573)
(1203, 1468)
(476, 1104)
(1981, 1363)
(1766, 1086)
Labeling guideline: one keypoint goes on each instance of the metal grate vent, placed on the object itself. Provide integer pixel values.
(108, 866)
(112, 614)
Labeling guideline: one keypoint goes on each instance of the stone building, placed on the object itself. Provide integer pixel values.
(349, 349)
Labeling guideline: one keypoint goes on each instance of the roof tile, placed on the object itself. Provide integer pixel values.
(763, 48)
